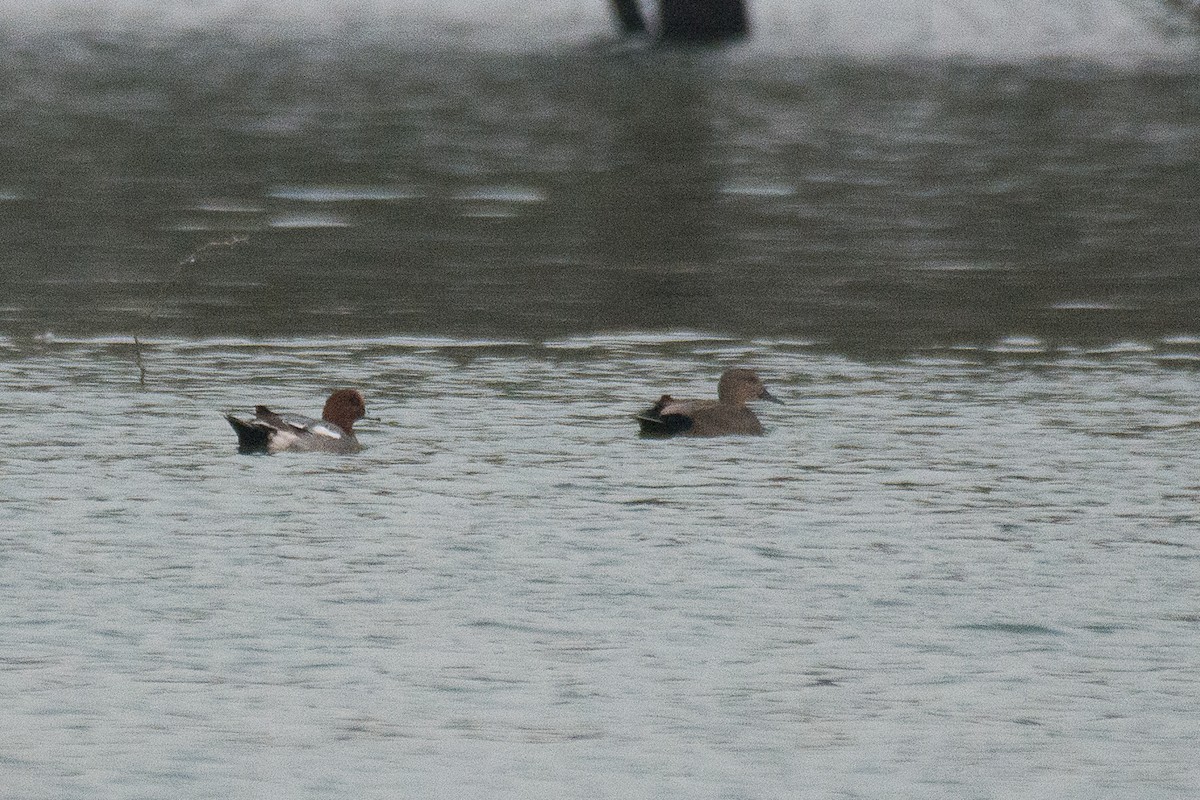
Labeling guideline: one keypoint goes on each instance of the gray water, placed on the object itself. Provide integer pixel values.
(955, 576)
(875, 206)
(962, 562)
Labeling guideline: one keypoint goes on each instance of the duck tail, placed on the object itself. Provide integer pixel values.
(251, 438)
(664, 425)
(654, 422)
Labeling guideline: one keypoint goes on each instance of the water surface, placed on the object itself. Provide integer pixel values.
(382, 188)
(967, 575)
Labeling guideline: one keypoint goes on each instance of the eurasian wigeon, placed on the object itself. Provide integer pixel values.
(728, 414)
(269, 432)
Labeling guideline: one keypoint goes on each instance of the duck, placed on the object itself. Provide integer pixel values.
(726, 415)
(270, 432)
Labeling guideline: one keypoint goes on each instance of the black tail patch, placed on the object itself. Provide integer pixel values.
(667, 425)
(251, 438)
(655, 423)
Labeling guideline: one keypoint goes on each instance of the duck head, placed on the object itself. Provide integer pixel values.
(343, 408)
(739, 386)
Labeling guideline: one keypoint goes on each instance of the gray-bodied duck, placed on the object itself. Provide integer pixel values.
(269, 432)
(728, 414)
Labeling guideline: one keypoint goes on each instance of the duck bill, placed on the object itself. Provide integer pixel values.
(768, 396)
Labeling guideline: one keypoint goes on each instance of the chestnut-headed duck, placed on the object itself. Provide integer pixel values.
(269, 432)
(728, 414)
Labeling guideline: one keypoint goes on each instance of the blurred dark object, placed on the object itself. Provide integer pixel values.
(687, 21)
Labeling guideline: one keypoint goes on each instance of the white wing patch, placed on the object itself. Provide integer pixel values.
(327, 429)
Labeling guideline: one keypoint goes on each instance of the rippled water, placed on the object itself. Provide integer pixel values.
(877, 206)
(968, 574)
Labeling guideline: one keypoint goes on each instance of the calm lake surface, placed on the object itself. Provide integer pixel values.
(962, 563)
